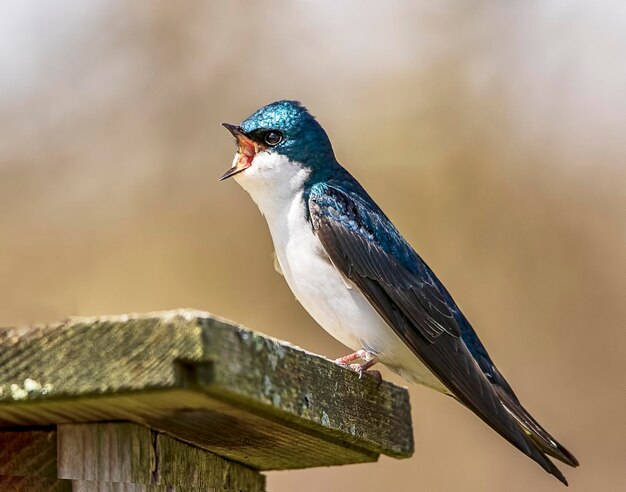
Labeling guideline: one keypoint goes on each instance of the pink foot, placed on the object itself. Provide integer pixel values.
(363, 369)
(346, 359)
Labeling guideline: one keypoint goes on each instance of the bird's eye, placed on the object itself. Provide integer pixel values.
(273, 138)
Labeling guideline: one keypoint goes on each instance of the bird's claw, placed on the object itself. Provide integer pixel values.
(361, 369)
(357, 368)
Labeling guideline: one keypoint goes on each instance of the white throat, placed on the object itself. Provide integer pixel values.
(274, 182)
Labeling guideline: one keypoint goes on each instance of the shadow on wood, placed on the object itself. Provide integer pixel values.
(180, 399)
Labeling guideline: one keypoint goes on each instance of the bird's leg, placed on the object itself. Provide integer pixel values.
(369, 359)
(359, 354)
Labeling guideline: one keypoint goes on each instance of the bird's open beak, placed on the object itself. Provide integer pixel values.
(246, 151)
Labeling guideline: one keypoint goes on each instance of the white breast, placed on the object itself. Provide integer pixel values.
(330, 298)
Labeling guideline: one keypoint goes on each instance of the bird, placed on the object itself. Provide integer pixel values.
(362, 282)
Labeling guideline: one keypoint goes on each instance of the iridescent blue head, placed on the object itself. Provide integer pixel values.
(285, 128)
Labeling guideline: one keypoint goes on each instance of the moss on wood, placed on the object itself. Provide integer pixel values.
(206, 381)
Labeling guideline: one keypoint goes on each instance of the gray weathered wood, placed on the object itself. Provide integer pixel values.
(107, 452)
(115, 456)
(179, 463)
(94, 486)
(239, 394)
(130, 453)
(35, 484)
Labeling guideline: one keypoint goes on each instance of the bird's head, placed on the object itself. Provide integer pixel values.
(277, 142)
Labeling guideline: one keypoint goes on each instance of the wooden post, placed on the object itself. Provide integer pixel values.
(180, 400)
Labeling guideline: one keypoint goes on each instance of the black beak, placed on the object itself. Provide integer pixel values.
(235, 130)
(241, 137)
(231, 172)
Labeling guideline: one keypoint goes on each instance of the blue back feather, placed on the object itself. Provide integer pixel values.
(306, 142)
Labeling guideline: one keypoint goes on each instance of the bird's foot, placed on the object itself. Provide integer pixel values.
(364, 369)
(358, 368)
(346, 359)
(361, 369)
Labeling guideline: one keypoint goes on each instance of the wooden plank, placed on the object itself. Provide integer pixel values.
(205, 381)
(232, 432)
(94, 486)
(33, 484)
(129, 453)
(108, 452)
(291, 384)
(28, 452)
(179, 463)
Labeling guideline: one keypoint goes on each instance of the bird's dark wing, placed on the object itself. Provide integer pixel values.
(365, 246)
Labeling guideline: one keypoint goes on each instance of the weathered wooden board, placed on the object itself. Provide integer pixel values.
(237, 393)
(34, 484)
(129, 453)
(107, 452)
(115, 456)
(28, 452)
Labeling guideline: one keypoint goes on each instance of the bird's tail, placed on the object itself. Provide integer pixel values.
(494, 401)
(530, 442)
(539, 436)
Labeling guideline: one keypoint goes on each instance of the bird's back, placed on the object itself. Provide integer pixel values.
(388, 269)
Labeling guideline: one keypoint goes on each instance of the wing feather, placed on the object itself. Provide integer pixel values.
(363, 244)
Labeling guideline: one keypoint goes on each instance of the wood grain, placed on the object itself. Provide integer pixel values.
(108, 452)
(28, 452)
(179, 463)
(29, 484)
(234, 392)
(130, 453)
(33, 484)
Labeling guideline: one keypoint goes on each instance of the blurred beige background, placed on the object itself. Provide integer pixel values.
(492, 133)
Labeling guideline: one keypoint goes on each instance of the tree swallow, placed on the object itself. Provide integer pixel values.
(360, 279)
